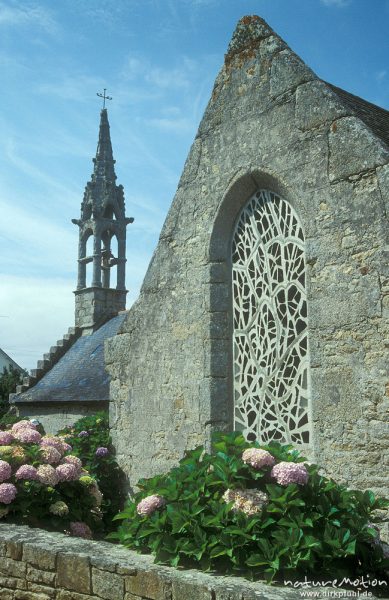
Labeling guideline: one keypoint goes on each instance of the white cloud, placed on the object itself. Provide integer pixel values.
(20, 14)
(75, 87)
(381, 75)
(181, 76)
(177, 125)
(34, 173)
(35, 242)
(168, 78)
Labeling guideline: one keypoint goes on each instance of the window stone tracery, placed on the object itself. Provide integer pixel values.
(270, 345)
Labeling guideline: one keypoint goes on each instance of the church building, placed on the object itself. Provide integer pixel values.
(265, 307)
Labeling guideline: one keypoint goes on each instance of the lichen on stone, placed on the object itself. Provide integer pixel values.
(249, 31)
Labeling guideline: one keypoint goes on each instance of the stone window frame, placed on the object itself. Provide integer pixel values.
(235, 197)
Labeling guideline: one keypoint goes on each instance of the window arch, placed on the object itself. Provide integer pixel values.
(270, 345)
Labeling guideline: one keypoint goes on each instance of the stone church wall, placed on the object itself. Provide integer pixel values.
(270, 124)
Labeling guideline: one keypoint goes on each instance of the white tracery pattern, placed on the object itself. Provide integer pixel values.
(270, 322)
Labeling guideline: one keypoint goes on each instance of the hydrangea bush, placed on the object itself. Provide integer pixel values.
(90, 441)
(43, 484)
(262, 512)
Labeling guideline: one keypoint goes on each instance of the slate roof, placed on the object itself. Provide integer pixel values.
(375, 117)
(80, 375)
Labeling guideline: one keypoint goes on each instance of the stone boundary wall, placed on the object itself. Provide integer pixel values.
(38, 565)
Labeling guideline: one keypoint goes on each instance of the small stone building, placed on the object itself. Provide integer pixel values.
(265, 306)
(71, 381)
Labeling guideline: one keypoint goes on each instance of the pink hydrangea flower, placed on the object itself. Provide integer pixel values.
(55, 442)
(67, 447)
(257, 458)
(50, 455)
(5, 470)
(67, 472)
(47, 475)
(27, 472)
(27, 435)
(149, 504)
(7, 492)
(289, 472)
(23, 425)
(73, 460)
(80, 529)
(6, 438)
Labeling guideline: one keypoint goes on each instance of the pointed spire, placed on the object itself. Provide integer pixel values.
(104, 161)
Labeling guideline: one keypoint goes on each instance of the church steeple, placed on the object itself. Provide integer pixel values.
(102, 218)
(104, 162)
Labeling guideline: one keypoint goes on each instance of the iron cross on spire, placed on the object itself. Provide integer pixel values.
(104, 97)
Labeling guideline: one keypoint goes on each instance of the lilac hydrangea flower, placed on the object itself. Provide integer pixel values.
(150, 504)
(290, 472)
(6, 438)
(80, 529)
(100, 452)
(7, 492)
(5, 470)
(83, 434)
(27, 472)
(257, 458)
(47, 475)
(67, 472)
(27, 435)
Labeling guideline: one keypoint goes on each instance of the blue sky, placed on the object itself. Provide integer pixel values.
(158, 59)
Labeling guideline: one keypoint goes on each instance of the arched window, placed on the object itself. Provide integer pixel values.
(270, 346)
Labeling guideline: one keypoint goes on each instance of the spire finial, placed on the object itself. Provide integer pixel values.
(104, 97)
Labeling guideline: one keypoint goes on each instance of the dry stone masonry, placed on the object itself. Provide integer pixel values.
(38, 565)
(274, 131)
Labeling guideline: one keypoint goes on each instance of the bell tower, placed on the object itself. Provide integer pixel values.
(102, 220)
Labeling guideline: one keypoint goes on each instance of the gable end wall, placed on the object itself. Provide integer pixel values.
(270, 123)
